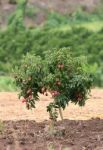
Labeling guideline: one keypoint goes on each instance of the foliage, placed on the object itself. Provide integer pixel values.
(77, 17)
(29, 78)
(16, 20)
(17, 40)
(59, 73)
(82, 41)
(55, 19)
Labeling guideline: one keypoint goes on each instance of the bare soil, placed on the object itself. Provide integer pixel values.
(13, 109)
(70, 135)
(82, 129)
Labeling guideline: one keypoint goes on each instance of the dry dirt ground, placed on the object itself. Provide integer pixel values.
(82, 129)
(69, 135)
(12, 109)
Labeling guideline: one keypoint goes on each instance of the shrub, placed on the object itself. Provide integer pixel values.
(59, 73)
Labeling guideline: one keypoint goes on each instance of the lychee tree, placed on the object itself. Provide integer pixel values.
(59, 73)
(67, 80)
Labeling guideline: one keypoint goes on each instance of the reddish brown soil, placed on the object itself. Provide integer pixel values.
(82, 129)
(70, 135)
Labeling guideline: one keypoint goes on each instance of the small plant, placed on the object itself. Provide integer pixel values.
(59, 73)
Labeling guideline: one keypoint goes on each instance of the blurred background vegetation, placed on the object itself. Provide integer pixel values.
(34, 26)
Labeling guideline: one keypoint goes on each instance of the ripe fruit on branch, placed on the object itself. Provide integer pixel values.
(58, 83)
(60, 66)
(30, 96)
(55, 93)
(79, 96)
(24, 100)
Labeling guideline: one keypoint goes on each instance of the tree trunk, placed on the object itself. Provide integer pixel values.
(60, 112)
(51, 127)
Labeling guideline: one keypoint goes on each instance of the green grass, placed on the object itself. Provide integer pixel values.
(92, 26)
(7, 84)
